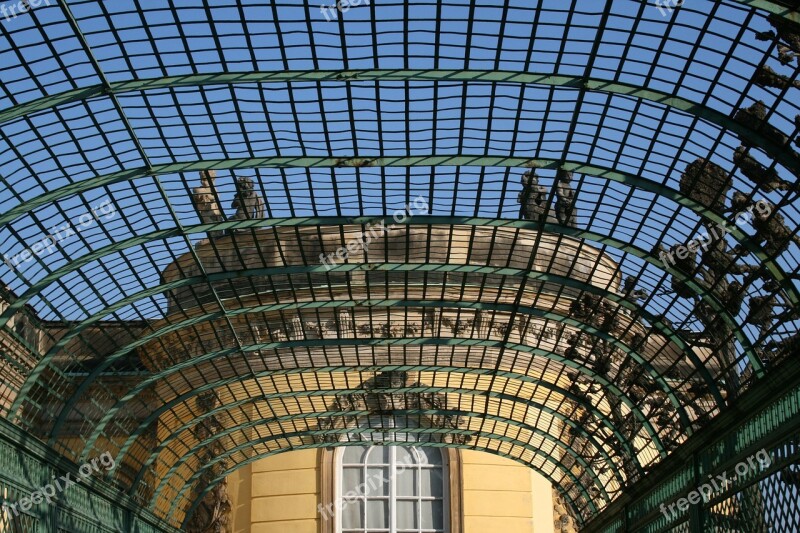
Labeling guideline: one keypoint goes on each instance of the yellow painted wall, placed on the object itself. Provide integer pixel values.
(502, 495)
(240, 493)
(280, 494)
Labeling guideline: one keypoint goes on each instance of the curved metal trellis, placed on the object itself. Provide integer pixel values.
(114, 111)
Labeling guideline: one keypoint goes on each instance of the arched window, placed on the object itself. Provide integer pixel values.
(391, 489)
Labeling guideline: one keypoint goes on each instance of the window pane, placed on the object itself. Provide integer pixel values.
(432, 515)
(378, 513)
(386, 471)
(351, 478)
(378, 455)
(432, 482)
(354, 454)
(406, 514)
(406, 481)
(430, 456)
(404, 456)
(377, 481)
(352, 514)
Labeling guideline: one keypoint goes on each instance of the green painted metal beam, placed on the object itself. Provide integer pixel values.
(507, 308)
(165, 444)
(418, 220)
(465, 414)
(763, 416)
(606, 173)
(108, 361)
(153, 417)
(528, 402)
(557, 443)
(775, 8)
(516, 376)
(367, 431)
(779, 153)
(523, 224)
(164, 234)
(626, 178)
(41, 465)
(315, 343)
(609, 385)
(554, 482)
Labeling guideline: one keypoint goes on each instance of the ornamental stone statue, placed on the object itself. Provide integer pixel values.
(248, 203)
(532, 197)
(206, 202)
(565, 199)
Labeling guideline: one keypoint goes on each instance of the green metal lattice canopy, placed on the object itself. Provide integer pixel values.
(232, 230)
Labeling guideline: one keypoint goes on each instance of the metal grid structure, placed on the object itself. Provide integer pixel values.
(503, 316)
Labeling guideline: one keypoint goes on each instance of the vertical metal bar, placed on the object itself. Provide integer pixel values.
(696, 511)
(626, 518)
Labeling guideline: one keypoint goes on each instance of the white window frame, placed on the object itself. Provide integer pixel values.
(339, 479)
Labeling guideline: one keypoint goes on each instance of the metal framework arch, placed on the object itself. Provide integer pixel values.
(570, 501)
(633, 181)
(527, 311)
(186, 426)
(405, 389)
(167, 406)
(206, 357)
(75, 342)
(487, 76)
(512, 376)
(573, 478)
(533, 225)
(181, 460)
(212, 315)
(553, 228)
(389, 267)
(545, 435)
(611, 174)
